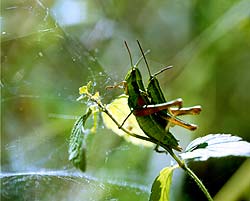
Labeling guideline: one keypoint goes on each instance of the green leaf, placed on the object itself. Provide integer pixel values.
(216, 145)
(77, 147)
(161, 186)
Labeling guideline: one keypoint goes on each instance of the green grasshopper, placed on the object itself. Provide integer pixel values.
(153, 113)
(146, 113)
(156, 97)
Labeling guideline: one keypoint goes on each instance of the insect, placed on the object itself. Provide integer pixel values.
(146, 113)
(156, 97)
(153, 114)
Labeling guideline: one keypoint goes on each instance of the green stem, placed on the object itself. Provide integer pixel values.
(199, 183)
(181, 163)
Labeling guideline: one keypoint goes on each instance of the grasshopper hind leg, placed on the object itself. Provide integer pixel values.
(186, 110)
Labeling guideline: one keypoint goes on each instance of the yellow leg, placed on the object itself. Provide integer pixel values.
(172, 120)
(185, 110)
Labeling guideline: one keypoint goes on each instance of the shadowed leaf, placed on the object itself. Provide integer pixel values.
(77, 149)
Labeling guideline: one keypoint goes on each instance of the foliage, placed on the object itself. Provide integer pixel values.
(216, 145)
(161, 186)
(77, 147)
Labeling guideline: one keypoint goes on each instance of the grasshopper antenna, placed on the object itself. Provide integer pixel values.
(139, 60)
(162, 70)
(130, 57)
(150, 75)
(157, 73)
(129, 53)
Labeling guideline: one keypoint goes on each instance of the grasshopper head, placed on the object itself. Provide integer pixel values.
(133, 75)
(133, 81)
(133, 87)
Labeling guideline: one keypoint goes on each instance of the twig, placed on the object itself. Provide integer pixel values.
(180, 162)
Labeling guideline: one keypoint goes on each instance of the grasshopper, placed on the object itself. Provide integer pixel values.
(150, 108)
(155, 93)
(146, 113)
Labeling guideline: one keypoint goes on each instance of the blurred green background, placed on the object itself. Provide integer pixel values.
(49, 48)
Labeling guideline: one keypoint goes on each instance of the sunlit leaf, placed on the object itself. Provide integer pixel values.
(77, 147)
(216, 145)
(120, 110)
(161, 187)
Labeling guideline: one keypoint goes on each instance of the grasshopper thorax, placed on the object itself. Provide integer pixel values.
(134, 87)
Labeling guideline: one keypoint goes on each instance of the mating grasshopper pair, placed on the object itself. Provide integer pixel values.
(153, 113)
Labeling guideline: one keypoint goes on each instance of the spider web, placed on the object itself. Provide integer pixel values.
(72, 185)
(42, 69)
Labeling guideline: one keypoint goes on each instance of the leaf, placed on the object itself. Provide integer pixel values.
(119, 110)
(77, 147)
(216, 145)
(161, 186)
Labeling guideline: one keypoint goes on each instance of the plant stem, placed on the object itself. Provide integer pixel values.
(199, 183)
(176, 158)
(181, 163)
